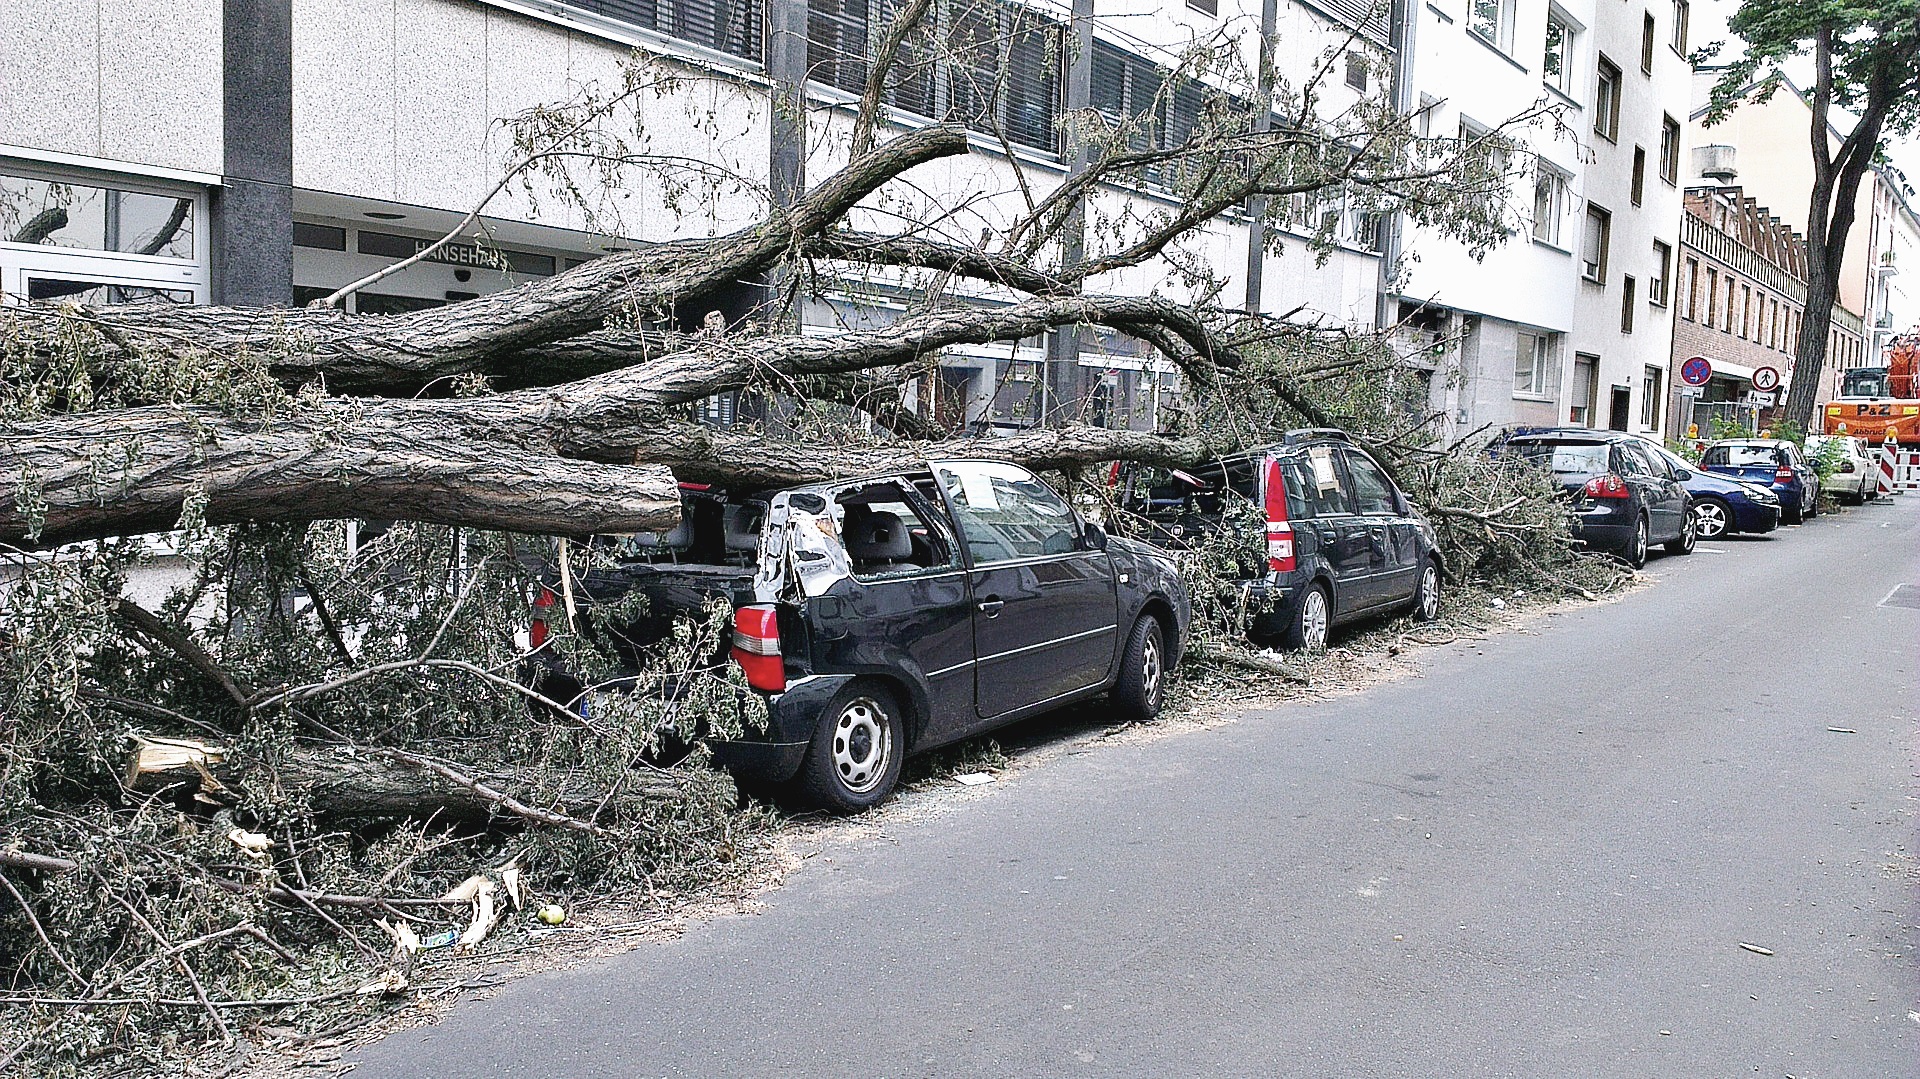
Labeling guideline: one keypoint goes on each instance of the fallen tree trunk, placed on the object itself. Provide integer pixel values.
(377, 782)
(551, 460)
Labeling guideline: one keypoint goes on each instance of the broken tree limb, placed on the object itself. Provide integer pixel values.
(381, 782)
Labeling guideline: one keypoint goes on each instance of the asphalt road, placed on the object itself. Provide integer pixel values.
(1538, 859)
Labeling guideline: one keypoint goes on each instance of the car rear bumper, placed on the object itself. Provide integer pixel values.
(1607, 528)
(776, 756)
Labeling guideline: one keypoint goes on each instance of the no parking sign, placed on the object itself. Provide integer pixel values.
(1696, 371)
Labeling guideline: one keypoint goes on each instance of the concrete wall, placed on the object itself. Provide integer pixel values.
(134, 83)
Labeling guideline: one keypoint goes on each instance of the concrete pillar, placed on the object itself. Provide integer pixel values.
(252, 251)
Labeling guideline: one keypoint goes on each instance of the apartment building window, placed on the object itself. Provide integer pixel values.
(1713, 298)
(1746, 312)
(729, 26)
(1682, 11)
(1593, 245)
(992, 65)
(1356, 71)
(1689, 275)
(1492, 22)
(1646, 44)
(1132, 90)
(1586, 387)
(1556, 64)
(1657, 280)
(1670, 149)
(1727, 325)
(1651, 398)
(1627, 296)
(1606, 100)
(1639, 174)
(1549, 204)
(1533, 365)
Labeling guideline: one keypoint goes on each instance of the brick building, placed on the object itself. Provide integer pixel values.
(1739, 290)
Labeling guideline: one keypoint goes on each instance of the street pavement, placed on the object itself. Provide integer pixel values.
(1539, 858)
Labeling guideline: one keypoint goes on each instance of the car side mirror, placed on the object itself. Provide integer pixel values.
(1095, 537)
(1682, 474)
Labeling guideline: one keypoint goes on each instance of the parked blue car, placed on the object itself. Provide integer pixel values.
(1773, 462)
(1722, 504)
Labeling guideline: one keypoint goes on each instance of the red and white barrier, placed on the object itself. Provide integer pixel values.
(1899, 469)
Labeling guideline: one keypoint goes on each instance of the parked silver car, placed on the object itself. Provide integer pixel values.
(1858, 479)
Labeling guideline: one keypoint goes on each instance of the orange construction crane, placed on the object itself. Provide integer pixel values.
(1876, 402)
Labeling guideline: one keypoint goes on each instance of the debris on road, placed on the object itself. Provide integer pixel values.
(974, 779)
(1756, 949)
(1842, 730)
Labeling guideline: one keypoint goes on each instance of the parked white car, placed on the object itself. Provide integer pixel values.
(1859, 477)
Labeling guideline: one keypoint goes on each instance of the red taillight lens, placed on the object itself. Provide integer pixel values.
(756, 648)
(537, 629)
(1783, 474)
(1280, 554)
(1113, 475)
(1608, 486)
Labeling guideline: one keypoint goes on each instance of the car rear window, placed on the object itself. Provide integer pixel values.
(1737, 456)
(1566, 457)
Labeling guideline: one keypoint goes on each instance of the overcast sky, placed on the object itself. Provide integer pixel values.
(1710, 24)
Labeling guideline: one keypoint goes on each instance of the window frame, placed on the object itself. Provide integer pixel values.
(1629, 288)
(954, 510)
(1648, 31)
(1541, 355)
(1561, 81)
(1682, 18)
(1609, 82)
(1637, 192)
(1669, 150)
(1652, 398)
(1557, 211)
(1604, 218)
(1657, 281)
(1501, 38)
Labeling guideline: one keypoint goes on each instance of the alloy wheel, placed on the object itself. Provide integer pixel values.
(1640, 543)
(1710, 520)
(1429, 593)
(862, 745)
(1151, 669)
(1313, 619)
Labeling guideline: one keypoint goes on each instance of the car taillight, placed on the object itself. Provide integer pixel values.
(1113, 475)
(1608, 486)
(542, 607)
(1280, 557)
(1783, 474)
(756, 648)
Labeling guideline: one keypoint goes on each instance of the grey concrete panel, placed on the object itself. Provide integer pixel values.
(343, 117)
(161, 85)
(253, 244)
(48, 113)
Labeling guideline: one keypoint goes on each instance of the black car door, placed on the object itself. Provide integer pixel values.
(1658, 493)
(1342, 537)
(1390, 534)
(1045, 608)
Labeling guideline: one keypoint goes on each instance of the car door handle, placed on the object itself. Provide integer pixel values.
(991, 607)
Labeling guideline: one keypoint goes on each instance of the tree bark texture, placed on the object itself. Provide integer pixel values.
(551, 460)
(367, 784)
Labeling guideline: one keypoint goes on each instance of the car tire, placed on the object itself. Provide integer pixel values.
(1426, 595)
(1636, 554)
(1792, 516)
(1712, 519)
(1142, 686)
(1813, 506)
(1689, 535)
(1312, 620)
(854, 759)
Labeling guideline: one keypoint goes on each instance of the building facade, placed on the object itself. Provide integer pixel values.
(1740, 293)
(1564, 324)
(263, 152)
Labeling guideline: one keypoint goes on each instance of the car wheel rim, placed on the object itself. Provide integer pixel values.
(1709, 520)
(1313, 619)
(1150, 668)
(862, 745)
(1640, 542)
(1429, 592)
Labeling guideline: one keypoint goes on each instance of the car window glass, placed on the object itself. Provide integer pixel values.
(1005, 512)
(885, 536)
(1573, 458)
(1322, 489)
(1632, 463)
(1372, 491)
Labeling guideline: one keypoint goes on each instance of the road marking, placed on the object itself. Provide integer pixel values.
(1902, 595)
(1711, 550)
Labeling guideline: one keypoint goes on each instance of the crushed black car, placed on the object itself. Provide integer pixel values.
(890, 615)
